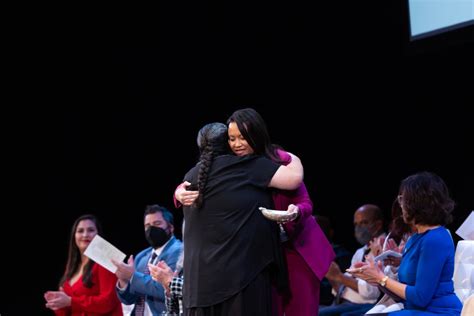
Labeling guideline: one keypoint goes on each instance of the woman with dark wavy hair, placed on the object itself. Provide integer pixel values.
(425, 275)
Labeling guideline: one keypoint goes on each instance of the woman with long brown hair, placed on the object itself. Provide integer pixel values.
(86, 288)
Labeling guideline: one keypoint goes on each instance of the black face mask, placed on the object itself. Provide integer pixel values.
(156, 236)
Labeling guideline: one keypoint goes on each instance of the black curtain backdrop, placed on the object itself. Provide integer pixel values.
(108, 121)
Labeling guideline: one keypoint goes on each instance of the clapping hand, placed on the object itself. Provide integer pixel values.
(57, 299)
(376, 246)
(161, 273)
(391, 260)
(124, 270)
(369, 271)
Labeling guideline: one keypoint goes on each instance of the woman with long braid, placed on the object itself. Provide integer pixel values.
(228, 253)
(307, 251)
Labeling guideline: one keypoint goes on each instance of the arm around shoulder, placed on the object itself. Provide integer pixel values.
(288, 177)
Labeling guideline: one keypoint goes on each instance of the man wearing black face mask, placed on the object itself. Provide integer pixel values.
(135, 286)
(353, 294)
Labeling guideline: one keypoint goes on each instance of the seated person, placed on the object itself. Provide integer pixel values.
(425, 275)
(353, 294)
(86, 287)
(135, 285)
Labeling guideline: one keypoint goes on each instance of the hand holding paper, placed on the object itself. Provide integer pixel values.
(102, 252)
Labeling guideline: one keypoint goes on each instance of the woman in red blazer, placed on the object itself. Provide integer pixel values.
(86, 288)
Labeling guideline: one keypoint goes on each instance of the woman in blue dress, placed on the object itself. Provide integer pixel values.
(425, 275)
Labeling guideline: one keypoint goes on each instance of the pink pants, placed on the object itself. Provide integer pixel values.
(302, 299)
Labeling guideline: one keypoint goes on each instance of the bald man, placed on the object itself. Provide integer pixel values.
(355, 295)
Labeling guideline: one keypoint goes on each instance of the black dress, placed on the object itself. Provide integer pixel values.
(229, 245)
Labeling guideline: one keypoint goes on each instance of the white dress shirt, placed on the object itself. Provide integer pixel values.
(368, 294)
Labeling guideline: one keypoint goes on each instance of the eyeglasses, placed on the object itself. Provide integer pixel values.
(400, 199)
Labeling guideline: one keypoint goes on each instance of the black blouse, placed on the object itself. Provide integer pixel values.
(228, 242)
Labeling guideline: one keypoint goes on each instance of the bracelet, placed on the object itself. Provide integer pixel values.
(383, 282)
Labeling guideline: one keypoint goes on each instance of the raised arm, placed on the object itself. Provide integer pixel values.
(288, 177)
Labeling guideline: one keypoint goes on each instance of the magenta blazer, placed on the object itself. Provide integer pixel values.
(305, 234)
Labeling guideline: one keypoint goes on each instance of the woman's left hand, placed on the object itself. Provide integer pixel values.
(293, 213)
(161, 273)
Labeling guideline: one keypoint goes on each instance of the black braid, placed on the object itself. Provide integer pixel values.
(212, 141)
(207, 156)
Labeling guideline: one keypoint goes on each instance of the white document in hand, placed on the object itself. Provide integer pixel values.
(388, 253)
(466, 230)
(101, 251)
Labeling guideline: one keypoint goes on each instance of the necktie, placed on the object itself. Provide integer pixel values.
(140, 304)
